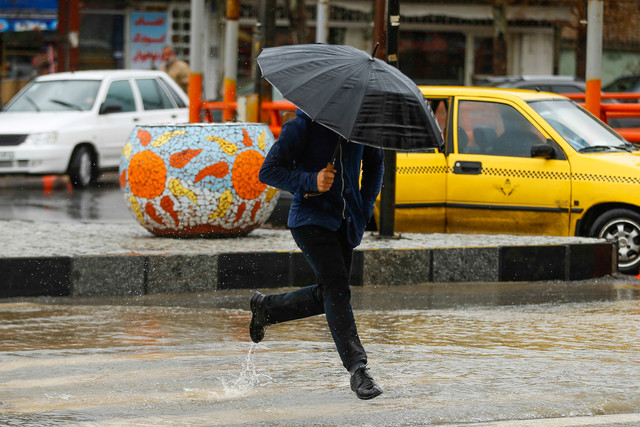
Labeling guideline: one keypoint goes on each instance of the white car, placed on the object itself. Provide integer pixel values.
(76, 123)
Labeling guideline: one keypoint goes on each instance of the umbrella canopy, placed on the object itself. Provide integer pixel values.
(363, 99)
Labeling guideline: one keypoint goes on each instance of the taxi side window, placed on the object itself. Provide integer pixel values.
(440, 110)
(495, 129)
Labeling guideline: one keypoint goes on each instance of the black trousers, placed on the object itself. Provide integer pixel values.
(330, 256)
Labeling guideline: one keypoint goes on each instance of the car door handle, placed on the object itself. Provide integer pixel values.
(467, 168)
(173, 116)
(136, 119)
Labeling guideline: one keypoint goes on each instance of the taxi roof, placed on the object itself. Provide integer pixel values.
(483, 91)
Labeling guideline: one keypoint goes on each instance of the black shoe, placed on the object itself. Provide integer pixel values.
(363, 385)
(258, 322)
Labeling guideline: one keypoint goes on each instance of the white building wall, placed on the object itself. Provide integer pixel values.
(531, 53)
(357, 38)
(537, 53)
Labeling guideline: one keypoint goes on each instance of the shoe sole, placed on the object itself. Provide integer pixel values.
(368, 397)
(252, 332)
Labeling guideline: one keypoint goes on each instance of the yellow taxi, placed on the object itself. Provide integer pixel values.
(521, 162)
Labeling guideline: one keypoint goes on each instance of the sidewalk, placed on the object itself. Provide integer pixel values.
(115, 259)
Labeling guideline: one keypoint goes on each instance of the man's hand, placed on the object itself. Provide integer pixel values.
(325, 179)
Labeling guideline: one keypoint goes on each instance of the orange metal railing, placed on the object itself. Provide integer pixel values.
(274, 112)
(609, 109)
(208, 107)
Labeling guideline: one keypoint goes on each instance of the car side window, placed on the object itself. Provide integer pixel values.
(153, 96)
(495, 129)
(176, 98)
(566, 89)
(536, 87)
(120, 95)
(440, 109)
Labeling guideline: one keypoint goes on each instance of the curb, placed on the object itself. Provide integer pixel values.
(128, 275)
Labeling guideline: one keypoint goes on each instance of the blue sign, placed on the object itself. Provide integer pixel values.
(28, 15)
(29, 4)
(30, 24)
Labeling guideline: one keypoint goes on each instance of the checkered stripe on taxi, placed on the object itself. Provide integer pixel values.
(523, 173)
(605, 178)
(417, 170)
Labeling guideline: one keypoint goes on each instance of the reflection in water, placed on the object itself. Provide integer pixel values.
(52, 198)
(188, 360)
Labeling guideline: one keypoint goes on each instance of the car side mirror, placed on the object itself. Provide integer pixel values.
(543, 150)
(110, 108)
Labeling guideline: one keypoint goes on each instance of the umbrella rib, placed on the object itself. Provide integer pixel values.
(362, 94)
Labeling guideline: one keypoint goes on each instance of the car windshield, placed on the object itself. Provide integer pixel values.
(579, 128)
(56, 95)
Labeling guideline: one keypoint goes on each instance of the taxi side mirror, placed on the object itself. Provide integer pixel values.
(543, 150)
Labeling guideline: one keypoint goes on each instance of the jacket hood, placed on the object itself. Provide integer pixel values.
(302, 114)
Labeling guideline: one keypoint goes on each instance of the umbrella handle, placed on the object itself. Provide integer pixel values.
(330, 169)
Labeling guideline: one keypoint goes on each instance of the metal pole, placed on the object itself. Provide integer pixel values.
(322, 21)
(388, 194)
(594, 57)
(63, 35)
(268, 27)
(231, 56)
(196, 59)
(379, 29)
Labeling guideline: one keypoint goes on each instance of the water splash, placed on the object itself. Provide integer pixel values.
(248, 378)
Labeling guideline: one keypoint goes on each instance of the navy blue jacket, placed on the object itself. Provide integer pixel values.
(293, 162)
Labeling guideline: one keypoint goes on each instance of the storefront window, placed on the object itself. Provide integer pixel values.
(101, 41)
(483, 56)
(432, 57)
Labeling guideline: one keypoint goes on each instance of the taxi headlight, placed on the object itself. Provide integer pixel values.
(43, 138)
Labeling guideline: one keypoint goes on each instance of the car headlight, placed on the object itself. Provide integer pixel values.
(42, 138)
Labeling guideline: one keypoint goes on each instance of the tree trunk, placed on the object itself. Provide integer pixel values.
(581, 38)
(500, 38)
(298, 20)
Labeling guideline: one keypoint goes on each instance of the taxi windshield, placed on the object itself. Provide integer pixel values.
(579, 128)
(56, 95)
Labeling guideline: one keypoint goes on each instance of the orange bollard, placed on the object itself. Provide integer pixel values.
(47, 184)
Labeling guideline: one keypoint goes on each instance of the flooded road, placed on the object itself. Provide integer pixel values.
(443, 355)
(52, 198)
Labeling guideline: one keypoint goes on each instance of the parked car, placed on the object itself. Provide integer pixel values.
(555, 84)
(623, 84)
(76, 123)
(522, 163)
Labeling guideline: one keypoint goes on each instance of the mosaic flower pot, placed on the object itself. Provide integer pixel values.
(197, 179)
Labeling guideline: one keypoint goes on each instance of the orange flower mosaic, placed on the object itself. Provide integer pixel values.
(197, 179)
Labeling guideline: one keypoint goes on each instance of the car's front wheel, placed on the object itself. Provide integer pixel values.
(621, 226)
(83, 170)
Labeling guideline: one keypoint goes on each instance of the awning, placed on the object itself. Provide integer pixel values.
(28, 15)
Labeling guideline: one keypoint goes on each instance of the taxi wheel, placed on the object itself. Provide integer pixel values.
(621, 226)
(82, 168)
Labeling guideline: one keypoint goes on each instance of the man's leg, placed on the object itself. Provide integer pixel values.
(330, 257)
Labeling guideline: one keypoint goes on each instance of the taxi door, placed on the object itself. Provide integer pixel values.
(494, 185)
(421, 183)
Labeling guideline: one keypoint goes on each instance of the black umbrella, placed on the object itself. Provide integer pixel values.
(363, 99)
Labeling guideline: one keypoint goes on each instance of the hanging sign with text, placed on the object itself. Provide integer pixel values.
(148, 37)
